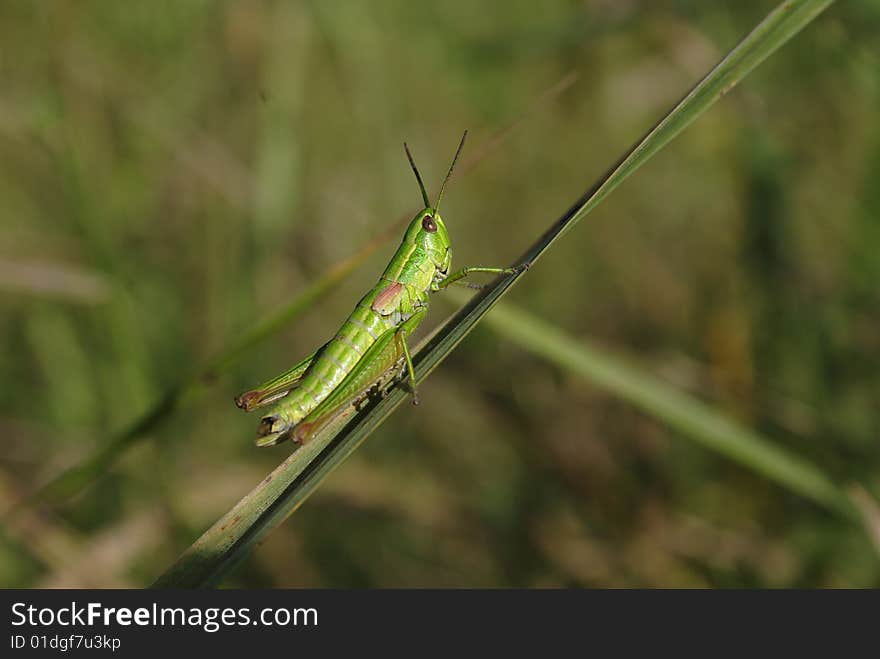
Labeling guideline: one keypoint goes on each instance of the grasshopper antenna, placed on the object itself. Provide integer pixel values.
(449, 173)
(415, 169)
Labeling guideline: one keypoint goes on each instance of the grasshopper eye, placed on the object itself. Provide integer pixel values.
(428, 224)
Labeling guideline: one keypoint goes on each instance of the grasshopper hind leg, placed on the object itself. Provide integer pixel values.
(383, 365)
(274, 428)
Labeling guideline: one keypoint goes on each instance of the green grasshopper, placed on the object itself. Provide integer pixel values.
(370, 349)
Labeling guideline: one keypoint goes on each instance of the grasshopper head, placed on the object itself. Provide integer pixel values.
(427, 228)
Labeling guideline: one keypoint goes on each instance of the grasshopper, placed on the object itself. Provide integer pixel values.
(370, 350)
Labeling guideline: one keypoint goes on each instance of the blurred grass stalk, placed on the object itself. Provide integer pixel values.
(61, 281)
(684, 413)
(230, 539)
(74, 479)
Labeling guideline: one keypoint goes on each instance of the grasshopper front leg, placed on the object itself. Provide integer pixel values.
(458, 275)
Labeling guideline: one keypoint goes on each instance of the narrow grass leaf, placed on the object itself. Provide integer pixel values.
(689, 416)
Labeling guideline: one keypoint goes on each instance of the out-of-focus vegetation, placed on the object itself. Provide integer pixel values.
(169, 177)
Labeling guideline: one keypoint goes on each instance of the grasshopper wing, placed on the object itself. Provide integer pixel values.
(388, 301)
(277, 387)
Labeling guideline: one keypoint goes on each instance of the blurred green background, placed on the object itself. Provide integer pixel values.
(171, 172)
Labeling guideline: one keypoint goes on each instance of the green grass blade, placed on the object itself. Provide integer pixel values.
(680, 411)
(231, 538)
(776, 29)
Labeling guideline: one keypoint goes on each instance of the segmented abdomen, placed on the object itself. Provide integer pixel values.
(336, 360)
